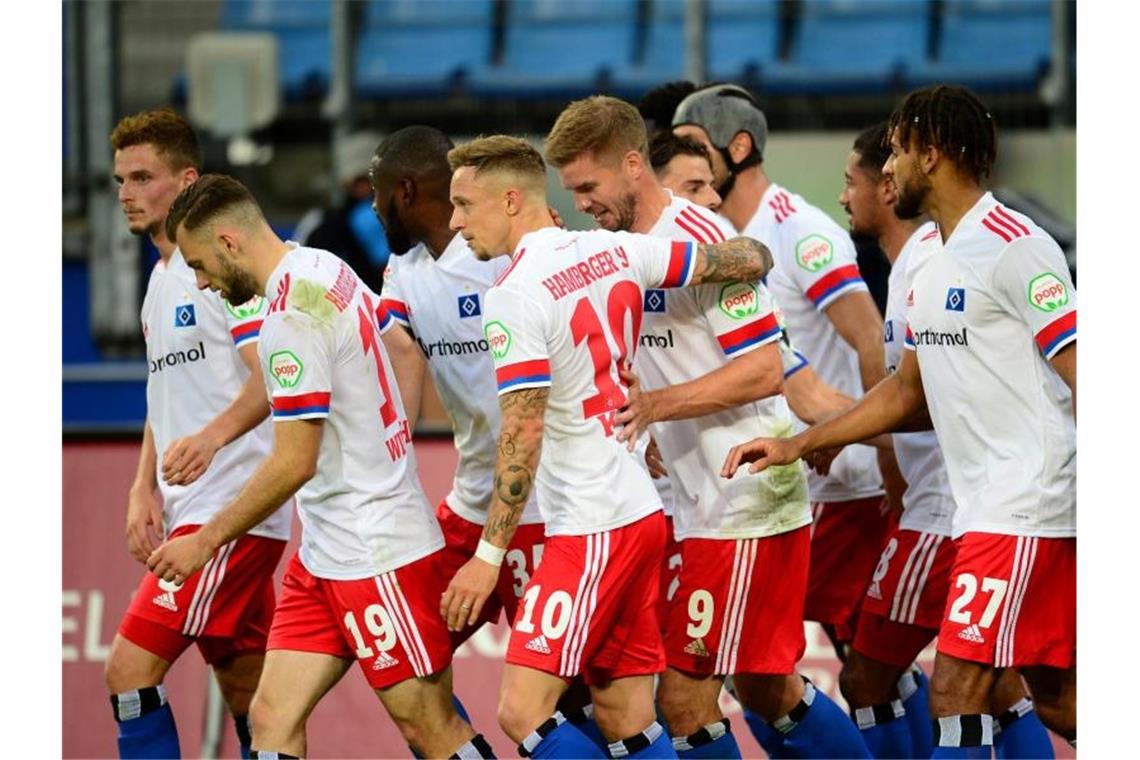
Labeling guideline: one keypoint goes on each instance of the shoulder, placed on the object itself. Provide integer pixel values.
(697, 223)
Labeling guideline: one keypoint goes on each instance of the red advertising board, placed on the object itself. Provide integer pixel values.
(99, 577)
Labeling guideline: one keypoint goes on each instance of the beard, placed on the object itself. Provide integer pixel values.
(399, 240)
(239, 284)
(911, 197)
(624, 213)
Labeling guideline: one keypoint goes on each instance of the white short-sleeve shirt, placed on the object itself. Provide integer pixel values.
(986, 313)
(364, 512)
(441, 302)
(195, 372)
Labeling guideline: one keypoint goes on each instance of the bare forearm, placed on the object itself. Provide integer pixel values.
(409, 365)
(273, 483)
(738, 382)
(145, 474)
(881, 410)
(741, 258)
(244, 413)
(520, 446)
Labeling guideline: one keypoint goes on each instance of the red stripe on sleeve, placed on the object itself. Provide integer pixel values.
(678, 264)
(532, 368)
(832, 280)
(996, 230)
(303, 401)
(1055, 329)
(1009, 219)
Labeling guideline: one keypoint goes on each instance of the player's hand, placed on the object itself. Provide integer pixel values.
(820, 461)
(179, 558)
(144, 523)
(638, 412)
(762, 453)
(468, 591)
(893, 481)
(555, 217)
(187, 458)
(654, 461)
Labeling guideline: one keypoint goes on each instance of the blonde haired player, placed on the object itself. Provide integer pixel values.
(562, 322)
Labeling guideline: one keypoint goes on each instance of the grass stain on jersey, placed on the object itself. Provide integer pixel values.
(308, 297)
(781, 489)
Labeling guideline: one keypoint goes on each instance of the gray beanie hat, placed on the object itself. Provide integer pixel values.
(723, 110)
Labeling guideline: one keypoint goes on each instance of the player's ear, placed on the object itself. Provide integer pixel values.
(928, 158)
(634, 164)
(740, 147)
(406, 192)
(512, 201)
(188, 177)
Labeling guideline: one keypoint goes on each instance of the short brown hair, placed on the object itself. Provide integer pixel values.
(665, 146)
(170, 134)
(500, 154)
(207, 199)
(601, 125)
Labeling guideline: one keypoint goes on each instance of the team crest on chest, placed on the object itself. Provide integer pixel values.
(654, 301)
(469, 305)
(956, 299)
(184, 315)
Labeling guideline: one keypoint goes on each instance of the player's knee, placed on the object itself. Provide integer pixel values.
(272, 716)
(518, 715)
(1059, 713)
(676, 708)
(864, 683)
(123, 673)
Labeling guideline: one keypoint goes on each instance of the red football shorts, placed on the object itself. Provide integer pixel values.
(670, 575)
(461, 539)
(389, 623)
(906, 598)
(740, 605)
(845, 542)
(1012, 602)
(591, 607)
(226, 607)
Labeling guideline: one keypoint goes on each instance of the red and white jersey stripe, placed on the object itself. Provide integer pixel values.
(1023, 558)
(585, 602)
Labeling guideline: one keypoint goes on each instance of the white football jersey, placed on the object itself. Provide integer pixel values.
(364, 512)
(195, 372)
(441, 302)
(814, 264)
(928, 504)
(566, 315)
(686, 334)
(986, 313)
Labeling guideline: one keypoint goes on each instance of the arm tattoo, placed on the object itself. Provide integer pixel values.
(520, 442)
(741, 258)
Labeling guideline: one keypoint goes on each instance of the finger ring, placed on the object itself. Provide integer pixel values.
(465, 606)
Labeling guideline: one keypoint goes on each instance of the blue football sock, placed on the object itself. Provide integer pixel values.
(459, 708)
(557, 737)
(767, 737)
(583, 720)
(1022, 734)
(653, 742)
(712, 741)
(885, 730)
(817, 728)
(146, 724)
(241, 725)
(914, 691)
(963, 736)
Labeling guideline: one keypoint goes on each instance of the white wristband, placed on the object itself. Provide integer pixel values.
(490, 553)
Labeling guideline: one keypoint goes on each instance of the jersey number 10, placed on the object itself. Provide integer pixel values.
(624, 299)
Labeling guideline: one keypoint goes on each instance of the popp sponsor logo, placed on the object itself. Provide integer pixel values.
(498, 339)
(739, 300)
(286, 368)
(1047, 292)
(814, 252)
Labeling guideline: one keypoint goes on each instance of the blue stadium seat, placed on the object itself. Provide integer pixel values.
(421, 47)
(304, 42)
(853, 46)
(992, 45)
(555, 48)
(743, 38)
(663, 59)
